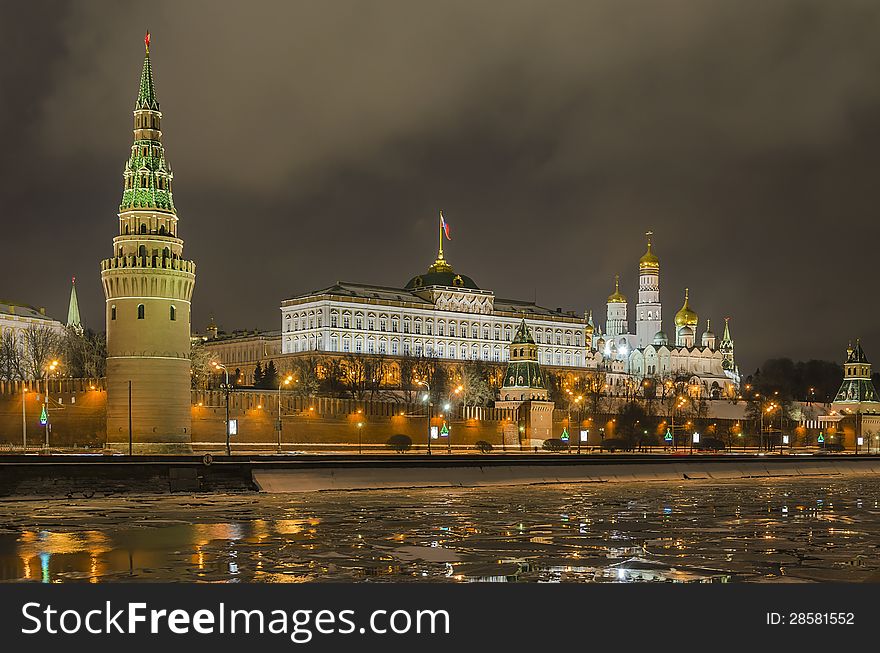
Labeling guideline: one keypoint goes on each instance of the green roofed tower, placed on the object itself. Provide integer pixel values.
(148, 285)
(523, 379)
(857, 393)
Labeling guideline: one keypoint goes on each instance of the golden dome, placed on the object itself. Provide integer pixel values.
(686, 315)
(649, 260)
(617, 297)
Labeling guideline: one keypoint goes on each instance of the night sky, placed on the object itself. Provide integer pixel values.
(314, 142)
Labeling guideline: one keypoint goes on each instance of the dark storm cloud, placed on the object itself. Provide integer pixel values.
(313, 142)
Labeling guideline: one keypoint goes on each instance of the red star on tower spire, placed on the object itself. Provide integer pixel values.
(147, 40)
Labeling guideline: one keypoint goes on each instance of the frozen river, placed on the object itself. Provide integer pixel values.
(753, 531)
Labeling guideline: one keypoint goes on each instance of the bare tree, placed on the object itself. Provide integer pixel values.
(355, 376)
(201, 369)
(41, 344)
(84, 356)
(305, 370)
(11, 357)
(476, 389)
(333, 381)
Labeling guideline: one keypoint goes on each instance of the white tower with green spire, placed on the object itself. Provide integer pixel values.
(73, 320)
(148, 285)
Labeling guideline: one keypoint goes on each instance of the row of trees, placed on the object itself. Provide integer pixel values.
(26, 355)
(813, 380)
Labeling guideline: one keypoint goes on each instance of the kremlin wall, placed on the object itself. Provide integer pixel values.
(78, 411)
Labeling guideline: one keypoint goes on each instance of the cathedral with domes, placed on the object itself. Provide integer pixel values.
(700, 359)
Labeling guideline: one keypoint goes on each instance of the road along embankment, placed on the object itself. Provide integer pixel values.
(497, 471)
(98, 476)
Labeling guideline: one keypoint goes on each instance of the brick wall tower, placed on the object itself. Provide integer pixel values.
(148, 285)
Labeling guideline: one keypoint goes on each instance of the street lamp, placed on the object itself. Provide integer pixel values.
(23, 417)
(50, 368)
(280, 423)
(360, 426)
(220, 366)
(430, 405)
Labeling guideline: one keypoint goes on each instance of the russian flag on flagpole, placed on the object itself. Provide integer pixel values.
(444, 226)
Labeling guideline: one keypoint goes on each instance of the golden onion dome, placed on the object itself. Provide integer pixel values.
(686, 316)
(617, 297)
(589, 328)
(649, 260)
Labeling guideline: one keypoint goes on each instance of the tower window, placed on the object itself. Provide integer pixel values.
(143, 228)
(113, 312)
(173, 314)
(140, 311)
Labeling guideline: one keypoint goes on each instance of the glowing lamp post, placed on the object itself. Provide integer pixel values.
(427, 399)
(44, 417)
(285, 382)
(220, 366)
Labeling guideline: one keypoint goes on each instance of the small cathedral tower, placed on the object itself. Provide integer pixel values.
(616, 320)
(686, 321)
(73, 319)
(148, 285)
(648, 319)
(708, 336)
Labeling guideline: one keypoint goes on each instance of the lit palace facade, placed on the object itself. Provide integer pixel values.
(438, 314)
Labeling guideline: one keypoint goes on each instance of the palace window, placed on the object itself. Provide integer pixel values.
(346, 322)
(333, 319)
(485, 333)
(370, 346)
(452, 329)
(475, 333)
(334, 343)
(430, 327)
(358, 345)
(383, 324)
(406, 348)
(394, 324)
(371, 323)
(358, 322)
(346, 345)
(440, 329)
(497, 333)
(418, 326)
(382, 347)
(394, 347)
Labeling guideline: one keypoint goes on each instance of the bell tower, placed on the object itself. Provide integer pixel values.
(148, 285)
